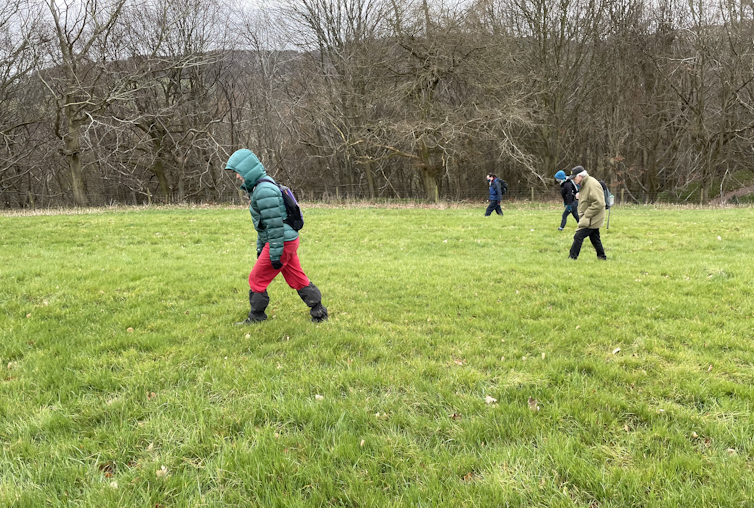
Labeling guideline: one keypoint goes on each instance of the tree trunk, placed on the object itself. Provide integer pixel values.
(430, 185)
(706, 179)
(429, 173)
(73, 158)
(158, 168)
(370, 178)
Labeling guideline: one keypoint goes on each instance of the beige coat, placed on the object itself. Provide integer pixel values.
(591, 204)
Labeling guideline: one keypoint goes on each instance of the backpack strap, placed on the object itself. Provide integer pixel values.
(265, 179)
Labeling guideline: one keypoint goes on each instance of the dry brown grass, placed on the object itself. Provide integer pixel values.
(354, 204)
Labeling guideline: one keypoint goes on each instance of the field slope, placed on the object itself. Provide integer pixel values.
(467, 361)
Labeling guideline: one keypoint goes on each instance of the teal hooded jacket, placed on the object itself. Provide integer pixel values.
(267, 207)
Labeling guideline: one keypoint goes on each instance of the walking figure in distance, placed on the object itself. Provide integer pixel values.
(569, 191)
(496, 195)
(591, 210)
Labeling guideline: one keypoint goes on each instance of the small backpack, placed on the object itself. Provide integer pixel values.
(503, 186)
(295, 219)
(609, 198)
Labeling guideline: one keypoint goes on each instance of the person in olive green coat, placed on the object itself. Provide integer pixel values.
(591, 212)
(277, 241)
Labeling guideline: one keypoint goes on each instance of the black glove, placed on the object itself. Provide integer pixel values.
(277, 265)
(259, 253)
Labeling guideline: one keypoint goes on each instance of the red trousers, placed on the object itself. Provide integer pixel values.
(263, 272)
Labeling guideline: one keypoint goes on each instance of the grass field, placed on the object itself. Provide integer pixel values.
(123, 381)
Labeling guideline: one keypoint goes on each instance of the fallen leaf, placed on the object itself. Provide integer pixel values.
(625, 427)
(543, 356)
(248, 335)
(459, 362)
(362, 443)
(162, 472)
(150, 447)
(468, 476)
(578, 326)
(151, 395)
(114, 485)
(129, 329)
(732, 451)
(533, 404)
(616, 351)
(319, 397)
(710, 368)
(108, 468)
(456, 416)
(28, 315)
(490, 400)
(694, 435)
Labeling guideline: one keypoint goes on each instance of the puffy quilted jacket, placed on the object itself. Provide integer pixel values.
(267, 207)
(496, 191)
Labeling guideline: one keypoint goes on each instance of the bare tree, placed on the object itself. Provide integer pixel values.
(342, 35)
(76, 73)
(19, 46)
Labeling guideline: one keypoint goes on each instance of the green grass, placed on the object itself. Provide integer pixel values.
(432, 310)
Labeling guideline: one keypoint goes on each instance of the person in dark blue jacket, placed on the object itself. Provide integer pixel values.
(496, 195)
(569, 190)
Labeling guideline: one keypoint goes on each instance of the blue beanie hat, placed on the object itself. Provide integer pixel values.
(560, 175)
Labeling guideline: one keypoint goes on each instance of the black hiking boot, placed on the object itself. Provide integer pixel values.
(312, 297)
(258, 303)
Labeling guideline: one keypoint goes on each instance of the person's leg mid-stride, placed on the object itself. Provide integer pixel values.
(263, 273)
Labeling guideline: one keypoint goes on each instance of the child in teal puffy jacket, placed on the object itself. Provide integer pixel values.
(277, 242)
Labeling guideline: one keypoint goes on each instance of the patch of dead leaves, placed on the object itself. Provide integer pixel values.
(533, 405)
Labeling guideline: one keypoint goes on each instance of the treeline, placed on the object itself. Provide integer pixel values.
(126, 101)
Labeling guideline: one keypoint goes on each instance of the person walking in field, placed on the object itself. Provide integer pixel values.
(569, 191)
(591, 211)
(496, 195)
(277, 241)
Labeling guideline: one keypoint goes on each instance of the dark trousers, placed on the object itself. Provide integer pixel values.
(494, 206)
(578, 239)
(566, 213)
